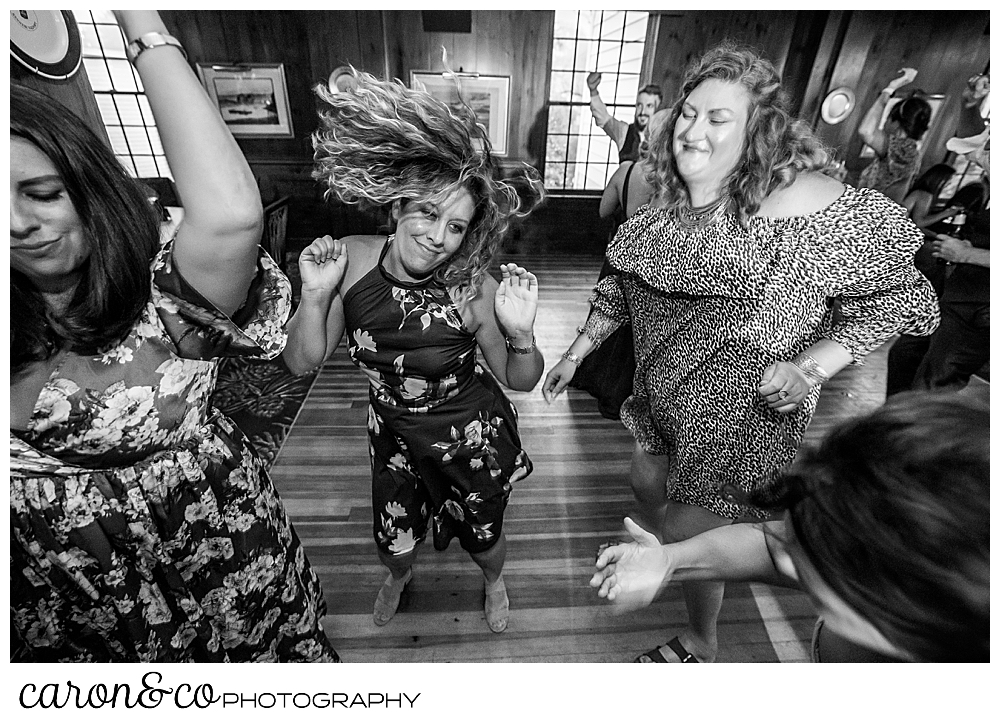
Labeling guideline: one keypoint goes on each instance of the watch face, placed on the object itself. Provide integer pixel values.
(46, 42)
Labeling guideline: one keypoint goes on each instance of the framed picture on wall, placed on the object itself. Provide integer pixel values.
(251, 97)
(934, 101)
(487, 95)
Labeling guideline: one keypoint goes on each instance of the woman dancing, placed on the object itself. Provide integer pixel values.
(726, 278)
(143, 525)
(415, 305)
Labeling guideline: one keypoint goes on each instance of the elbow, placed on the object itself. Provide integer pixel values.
(295, 364)
(244, 218)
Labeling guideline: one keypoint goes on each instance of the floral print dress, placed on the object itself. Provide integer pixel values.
(143, 525)
(442, 435)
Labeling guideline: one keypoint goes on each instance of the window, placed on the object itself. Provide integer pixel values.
(120, 98)
(578, 154)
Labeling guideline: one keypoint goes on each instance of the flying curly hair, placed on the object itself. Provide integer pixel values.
(776, 147)
(383, 142)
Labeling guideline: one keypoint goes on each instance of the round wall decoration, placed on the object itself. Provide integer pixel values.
(837, 105)
(342, 80)
(46, 42)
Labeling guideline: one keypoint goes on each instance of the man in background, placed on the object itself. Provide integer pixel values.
(627, 136)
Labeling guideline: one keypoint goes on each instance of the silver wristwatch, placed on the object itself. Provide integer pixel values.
(148, 41)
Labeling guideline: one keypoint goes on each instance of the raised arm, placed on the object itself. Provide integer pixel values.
(504, 318)
(602, 117)
(216, 243)
(868, 129)
(317, 326)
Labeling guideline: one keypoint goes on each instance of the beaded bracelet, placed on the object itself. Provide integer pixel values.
(811, 368)
(572, 358)
(522, 349)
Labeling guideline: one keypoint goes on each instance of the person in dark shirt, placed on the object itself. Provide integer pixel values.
(961, 345)
(628, 137)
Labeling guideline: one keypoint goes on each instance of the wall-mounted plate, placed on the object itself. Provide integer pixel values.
(837, 105)
(46, 42)
(342, 80)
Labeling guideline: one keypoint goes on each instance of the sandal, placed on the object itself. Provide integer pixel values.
(497, 607)
(655, 656)
(385, 606)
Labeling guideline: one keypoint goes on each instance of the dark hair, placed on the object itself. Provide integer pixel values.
(934, 179)
(893, 511)
(117, 220)
(971, 197)
(651, 89)
(776, 147)
(913, 116)
(383, 142)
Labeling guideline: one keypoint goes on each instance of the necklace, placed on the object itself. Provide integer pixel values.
(703, 215)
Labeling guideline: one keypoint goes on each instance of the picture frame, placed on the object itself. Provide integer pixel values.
(251, 97)
(487, 95)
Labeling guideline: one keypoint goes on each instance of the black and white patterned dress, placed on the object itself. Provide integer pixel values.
(713, 307)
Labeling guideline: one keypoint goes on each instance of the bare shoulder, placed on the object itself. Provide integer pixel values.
(362, 255)
(809, 193)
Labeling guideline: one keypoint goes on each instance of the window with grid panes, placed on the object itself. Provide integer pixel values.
(578, 154)
(123, 105)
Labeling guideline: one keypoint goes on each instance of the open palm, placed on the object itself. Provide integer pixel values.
(631, 574)
(516, 300)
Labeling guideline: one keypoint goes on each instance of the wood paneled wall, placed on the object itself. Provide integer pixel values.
(818, 51)
(312, 43)
(945, 47)
(684, 35)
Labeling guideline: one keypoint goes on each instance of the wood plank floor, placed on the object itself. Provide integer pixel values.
(574, 500)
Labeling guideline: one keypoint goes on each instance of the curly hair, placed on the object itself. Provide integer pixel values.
(776, 146)
(118, 221)
(383, 142)
(893, 511)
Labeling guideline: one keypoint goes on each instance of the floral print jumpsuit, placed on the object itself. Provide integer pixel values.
(442, 435)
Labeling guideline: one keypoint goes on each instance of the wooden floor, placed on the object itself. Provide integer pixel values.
(574, 500)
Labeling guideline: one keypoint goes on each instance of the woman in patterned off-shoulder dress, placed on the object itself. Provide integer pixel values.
(416, 306)
(728, 283)
(144, 527)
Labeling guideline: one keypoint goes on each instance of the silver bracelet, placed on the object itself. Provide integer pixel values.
(811, 368)
(572, 358)
(522, 349)
(148, 41)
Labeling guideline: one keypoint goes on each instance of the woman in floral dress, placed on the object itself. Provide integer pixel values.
(443, 437)
(143, 526)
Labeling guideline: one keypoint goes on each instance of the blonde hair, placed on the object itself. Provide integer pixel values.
(776, 147)
(383, 142)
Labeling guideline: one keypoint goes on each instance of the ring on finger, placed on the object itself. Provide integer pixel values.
(782, 394)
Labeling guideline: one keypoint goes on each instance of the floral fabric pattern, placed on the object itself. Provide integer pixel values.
(143, 525)
(442, 435)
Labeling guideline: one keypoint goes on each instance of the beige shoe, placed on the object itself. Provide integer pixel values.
(497, 606)
(388, 597)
